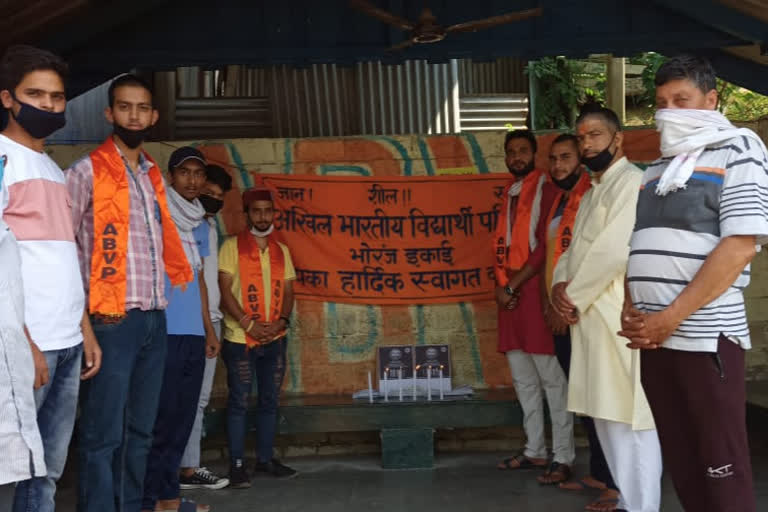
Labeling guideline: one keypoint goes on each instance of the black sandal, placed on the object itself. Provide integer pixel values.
(523, 462)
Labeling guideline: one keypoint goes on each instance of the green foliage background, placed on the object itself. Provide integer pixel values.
(559, 91)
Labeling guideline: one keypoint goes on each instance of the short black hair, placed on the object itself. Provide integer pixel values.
(606, 115)
(127, 80)
(521, 134)
(22, 59)
(218, 175)
(691, 67)
(566, 137)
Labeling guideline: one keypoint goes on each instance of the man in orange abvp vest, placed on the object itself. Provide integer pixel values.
(572, 181)
(127, 243)
(524, 337)
(256, 277)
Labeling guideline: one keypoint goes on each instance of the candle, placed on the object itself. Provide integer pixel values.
(441, 382)
(370, 389)
(400, 381)
(416, 369)
(386, 387)
(429, 382)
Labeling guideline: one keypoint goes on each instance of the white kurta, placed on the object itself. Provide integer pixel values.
(605, 374)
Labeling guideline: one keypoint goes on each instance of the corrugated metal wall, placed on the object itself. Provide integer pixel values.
(371, 98)
(85, 119)
(502, 76)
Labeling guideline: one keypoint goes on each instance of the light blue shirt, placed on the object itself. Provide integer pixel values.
(184, 314)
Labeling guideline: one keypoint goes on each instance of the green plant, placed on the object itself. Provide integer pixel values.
(651, 61)
(739, 104)
(558, 92)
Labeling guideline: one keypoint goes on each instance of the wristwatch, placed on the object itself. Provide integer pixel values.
(508, 290)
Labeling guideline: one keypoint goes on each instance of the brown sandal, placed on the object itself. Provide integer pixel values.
(556, 473)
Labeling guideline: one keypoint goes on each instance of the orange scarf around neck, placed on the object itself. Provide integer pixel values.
(111, 223)
(252, 281)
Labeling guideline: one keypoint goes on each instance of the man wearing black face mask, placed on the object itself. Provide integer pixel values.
(604, 379)
(573, 181)
(127, 242)
(34, 204)
(218, 183)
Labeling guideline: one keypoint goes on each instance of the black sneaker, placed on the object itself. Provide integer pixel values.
(274, 468)
(238, 476)
(203, 478)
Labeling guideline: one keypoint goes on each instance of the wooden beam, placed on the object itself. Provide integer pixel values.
(615, 87)
(721, 17)
(21, 25)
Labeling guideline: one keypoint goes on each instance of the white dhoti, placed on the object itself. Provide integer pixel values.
(634, 457)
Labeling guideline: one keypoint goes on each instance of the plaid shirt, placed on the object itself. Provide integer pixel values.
(145, 271)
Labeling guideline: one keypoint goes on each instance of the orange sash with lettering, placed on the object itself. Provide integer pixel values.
(512, 257)
(111, 222)
(565, 230)
(252, 281)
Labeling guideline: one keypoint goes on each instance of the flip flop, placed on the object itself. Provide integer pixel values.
(580, 485)
(523, 462)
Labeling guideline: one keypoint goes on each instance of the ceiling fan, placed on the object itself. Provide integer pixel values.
(427, 30)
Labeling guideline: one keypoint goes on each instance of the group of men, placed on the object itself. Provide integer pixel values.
(620, 299)
(619, 291)
(115, 292)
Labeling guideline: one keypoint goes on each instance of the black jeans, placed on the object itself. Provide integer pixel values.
(182, 380)
(265, 364)
(598, 467)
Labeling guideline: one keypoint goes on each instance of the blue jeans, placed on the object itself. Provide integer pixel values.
(118, 408)
(267, 364)
(182, 379)
(56, 407)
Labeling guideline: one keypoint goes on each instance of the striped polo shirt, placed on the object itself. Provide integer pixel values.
(727, 195)
(36, 207)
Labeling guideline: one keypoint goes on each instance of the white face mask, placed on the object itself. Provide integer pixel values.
(262, 234)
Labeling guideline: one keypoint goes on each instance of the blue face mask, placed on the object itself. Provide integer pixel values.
(36, 122)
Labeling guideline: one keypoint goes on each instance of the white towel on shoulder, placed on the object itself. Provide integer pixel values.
(685, 133)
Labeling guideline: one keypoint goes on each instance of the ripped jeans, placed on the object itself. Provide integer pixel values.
(265, 365)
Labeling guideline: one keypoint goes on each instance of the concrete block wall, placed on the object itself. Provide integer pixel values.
(332, 346)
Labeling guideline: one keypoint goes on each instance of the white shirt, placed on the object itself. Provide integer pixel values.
(211, 272)
(605, 374)
(19, 436)
(36, 207)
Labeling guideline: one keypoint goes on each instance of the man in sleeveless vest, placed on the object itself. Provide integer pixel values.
(127, 243)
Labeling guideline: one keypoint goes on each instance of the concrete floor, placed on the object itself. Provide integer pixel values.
(459, 482)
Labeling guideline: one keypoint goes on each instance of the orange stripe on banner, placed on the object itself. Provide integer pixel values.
(449, 152)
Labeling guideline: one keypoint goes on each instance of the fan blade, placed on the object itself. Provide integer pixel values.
(368, 8)
(400, 47)
(493, 21)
